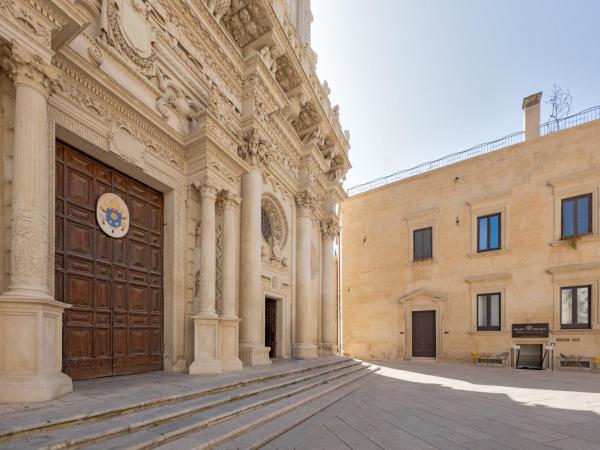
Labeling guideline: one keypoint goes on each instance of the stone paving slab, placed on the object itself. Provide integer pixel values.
(104, 394)
(417, 405)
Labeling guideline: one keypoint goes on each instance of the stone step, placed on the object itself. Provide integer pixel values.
(229, 417)
(259, 426)
(260, 435)
(84, 433)
(36, 422)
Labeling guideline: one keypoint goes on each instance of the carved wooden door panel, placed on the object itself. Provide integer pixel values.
(270, 325)
(114, 285)
(423, 333)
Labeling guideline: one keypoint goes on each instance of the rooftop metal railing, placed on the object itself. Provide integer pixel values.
(549, 127)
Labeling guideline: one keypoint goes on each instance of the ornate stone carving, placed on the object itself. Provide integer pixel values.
(254, 149)
(269, 56)
(285, 74)
(172, 97)
(306, 202)
(218, 8)
(308, 117)
(274, 230)
(246, 21)
(124, 25)
(330, 229)
(219, 262)
(26, 68)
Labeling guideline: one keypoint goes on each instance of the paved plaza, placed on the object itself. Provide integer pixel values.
(418, 405)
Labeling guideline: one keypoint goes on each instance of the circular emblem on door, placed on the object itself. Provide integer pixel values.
(112, 215)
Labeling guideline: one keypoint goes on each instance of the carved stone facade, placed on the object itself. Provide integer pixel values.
(216, 105)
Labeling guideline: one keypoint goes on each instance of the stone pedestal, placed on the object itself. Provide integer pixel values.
(30, 319)
(229, 337)
(206, 346)
(252, 345)
(304, 347)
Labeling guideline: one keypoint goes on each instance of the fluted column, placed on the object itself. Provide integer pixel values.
(304, 347)
(329, 231)
(30, 319)
(206, 322)
(229, 323)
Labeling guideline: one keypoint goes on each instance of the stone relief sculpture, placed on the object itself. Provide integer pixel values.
(274, 231)
(218, 8)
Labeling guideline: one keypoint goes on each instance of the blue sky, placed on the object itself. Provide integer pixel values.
(419, 79)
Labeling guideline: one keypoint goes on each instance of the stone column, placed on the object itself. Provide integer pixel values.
(229, 323)
(206, 321)
(252, 343)
(304, 347)
(30, 319)
(329, 230)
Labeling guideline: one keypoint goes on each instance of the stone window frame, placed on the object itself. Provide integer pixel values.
(498, 283)
(569, 186)
(498, 203)
(570, 276)
(428, 218)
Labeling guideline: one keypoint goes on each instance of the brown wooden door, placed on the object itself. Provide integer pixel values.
(270, 325)
(423, 333)
(115, 324)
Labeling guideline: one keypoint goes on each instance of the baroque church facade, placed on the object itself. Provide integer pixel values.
(171, 174)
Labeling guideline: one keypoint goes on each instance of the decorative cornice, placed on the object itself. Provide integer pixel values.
(423, 292)
(489, 277)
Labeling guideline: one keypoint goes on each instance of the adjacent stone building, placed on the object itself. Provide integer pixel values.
(481, 251)
(170, 175)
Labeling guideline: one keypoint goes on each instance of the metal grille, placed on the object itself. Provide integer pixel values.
(582, 117)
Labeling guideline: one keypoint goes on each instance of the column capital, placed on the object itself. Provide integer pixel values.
(28, 69)
(255, 150)
(330, 229)
(306, 203)
(230, 200)
(207, 189)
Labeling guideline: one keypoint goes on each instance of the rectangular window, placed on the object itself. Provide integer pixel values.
(422, 247)
(488, 312)
(489, 233)
(575, 307)
(576, 216)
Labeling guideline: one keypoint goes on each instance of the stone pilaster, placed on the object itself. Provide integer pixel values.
(229, 323)
(206, 321)
(30, 319)
(304, 347)
(329, 231)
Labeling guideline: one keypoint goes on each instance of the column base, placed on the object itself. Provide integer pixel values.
(206, 346)
(41, 388)
(30, 349)
(304, 351)
(327, 348)
(254, 355)
(229, 334)
(179, 366)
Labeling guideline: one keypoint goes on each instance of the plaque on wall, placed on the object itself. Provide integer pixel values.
(530, 330)
(112, 215)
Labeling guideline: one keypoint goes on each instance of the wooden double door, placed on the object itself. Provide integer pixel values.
(114, 285)
(423, 334)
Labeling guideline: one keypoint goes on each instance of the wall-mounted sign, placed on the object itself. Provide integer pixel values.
(530, 330)
(112, 215)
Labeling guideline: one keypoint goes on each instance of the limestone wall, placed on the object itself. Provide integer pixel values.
(381, 285)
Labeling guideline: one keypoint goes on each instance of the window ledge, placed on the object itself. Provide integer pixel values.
(579, 240)
(575, 331)
(489, 333)
(421, 262)
(502, 251)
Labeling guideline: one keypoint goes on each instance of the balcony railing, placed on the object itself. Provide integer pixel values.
(549, 127)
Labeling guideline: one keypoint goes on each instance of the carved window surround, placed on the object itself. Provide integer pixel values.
(572, 185)
(487, 284)
(416, 221)
(485, 205)
(575, 275)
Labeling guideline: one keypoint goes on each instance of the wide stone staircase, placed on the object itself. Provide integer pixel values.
(247, 414)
